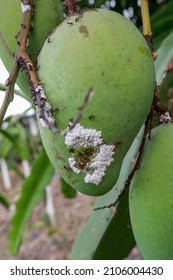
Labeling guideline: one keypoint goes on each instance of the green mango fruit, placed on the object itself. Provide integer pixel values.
(47, 15)
(151, 197)
(103, 51)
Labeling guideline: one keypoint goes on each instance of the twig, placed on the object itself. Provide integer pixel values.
(80, 110)
(10, 83)
(70, 7)
(25, 62)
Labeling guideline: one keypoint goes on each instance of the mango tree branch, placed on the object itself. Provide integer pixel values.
(70, 7)
(10, 83)
(25, 63)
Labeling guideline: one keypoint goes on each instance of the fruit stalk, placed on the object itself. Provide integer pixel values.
(146, 24)
(157, 104)
(10, 83)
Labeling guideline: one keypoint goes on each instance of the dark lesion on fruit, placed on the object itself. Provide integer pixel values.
(83, 29)
(144, 51)
(91, 117)
(116, 143)
(49, 40)
(82, 156)
(76, 19)
(68, 171)
(69, 23)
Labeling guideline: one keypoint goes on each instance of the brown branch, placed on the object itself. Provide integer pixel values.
(10, 83)
(25, 63)
(70, 7)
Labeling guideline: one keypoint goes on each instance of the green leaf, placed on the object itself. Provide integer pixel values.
(98, 223)
(22, 150)
(23, 138)
(164, 11)
(32, 191)
(13, 166)
(67, 190)
(4, 201)
(165, 54)
(118, 239)
(5, 146)
(166, 92)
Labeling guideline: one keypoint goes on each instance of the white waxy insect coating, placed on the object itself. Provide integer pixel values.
(165, 117)
(83, 137)
(101, 158)
(25, 8)
(43, 123)
(72, 163)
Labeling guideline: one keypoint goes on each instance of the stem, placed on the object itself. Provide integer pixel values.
(22, 42)
(158, 106)
(145, 18)
(146, 24)
(10, 83)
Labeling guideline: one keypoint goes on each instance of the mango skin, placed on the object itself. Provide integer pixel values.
(151, 198)
(47, 15)
(104, 51)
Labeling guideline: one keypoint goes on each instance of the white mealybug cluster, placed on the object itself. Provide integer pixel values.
(25, 8)
(100, 158)
(45, 114)
(83, 137)
(72, 163)
(165, 117)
